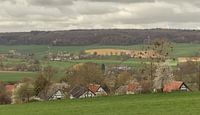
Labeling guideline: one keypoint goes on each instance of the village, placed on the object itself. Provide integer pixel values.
(99, 57)
(57, 91)
(89, 80)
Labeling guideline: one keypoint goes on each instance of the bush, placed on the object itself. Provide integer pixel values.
(23, 92)
(5, 99)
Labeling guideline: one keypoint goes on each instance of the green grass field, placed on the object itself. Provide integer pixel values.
(180, 49)
(15, 76)
(146, 104)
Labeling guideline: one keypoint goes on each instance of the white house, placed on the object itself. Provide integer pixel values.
(59, 94)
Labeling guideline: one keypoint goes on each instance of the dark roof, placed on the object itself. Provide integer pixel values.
(48, 94)
(78, 91)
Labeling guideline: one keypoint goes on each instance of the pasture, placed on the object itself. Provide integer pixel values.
(179, 49)
(144, 104)
(12, 76)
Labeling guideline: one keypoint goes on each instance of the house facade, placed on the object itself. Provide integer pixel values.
(59, 94)
(87, 94)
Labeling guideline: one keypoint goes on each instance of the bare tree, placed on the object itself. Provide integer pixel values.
(44, 79)
(122, 79)
(23, 92)
(159, 52)
(84, 74)
(163, 75)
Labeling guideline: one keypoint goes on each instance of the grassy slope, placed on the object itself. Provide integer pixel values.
(149, 104)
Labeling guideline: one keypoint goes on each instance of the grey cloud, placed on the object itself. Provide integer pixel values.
(123, 1)
(73, 14)
(157, 15)
(50, 2)
(94, 9)
(11, 1)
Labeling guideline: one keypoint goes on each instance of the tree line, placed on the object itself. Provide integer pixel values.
(101, 37)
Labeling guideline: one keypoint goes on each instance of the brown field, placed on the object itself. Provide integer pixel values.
(119, 52)
(188, 59)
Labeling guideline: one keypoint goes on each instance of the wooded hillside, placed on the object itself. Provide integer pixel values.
(101, 37)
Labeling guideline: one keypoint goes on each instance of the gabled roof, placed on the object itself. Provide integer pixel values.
(173, 86)
(51, 95)
(78, 91)
(47, 94)
(9, 88)
(52, 90)
(94, 87)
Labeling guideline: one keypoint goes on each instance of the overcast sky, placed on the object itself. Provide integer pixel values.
(27, 15)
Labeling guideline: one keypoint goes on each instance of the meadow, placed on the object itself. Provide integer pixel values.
(179, 49)
(145, 104)
(12, 76)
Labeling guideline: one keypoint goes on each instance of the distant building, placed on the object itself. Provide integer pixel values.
(54, 92)
(10, 89)
(175, 86)
(59, 94)
(131, 88)
(134, 88)
(117, 69)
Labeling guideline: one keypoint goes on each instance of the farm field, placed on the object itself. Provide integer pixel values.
(11, 76)
(145, 104)
(180, 49)
(41, 50)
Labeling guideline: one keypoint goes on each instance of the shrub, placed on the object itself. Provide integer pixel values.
(5, 99)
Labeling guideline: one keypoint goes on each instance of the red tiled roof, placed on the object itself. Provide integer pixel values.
(133, 87)
(94, 87)
(173, 86)
(10, 88)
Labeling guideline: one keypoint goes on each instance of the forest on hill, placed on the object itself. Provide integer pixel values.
(98, 36)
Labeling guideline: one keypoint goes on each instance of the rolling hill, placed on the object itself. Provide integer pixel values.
(100, 37)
